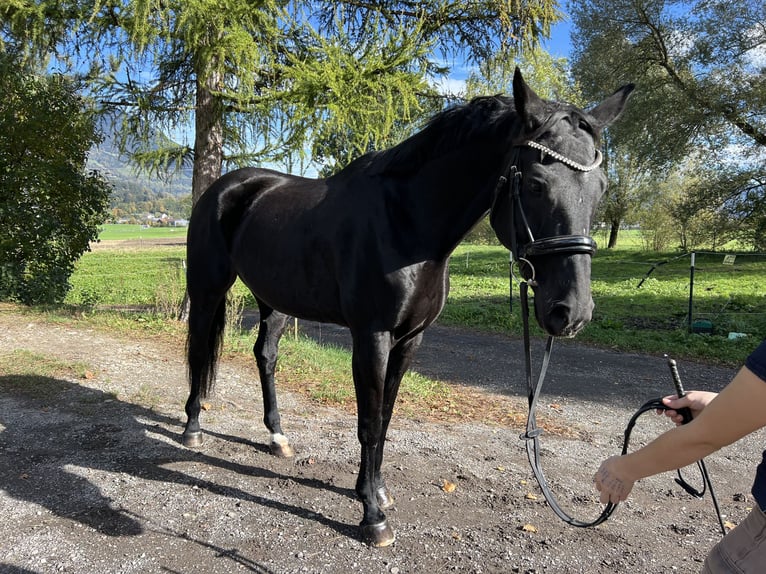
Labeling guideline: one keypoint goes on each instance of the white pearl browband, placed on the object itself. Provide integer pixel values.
(565, 160)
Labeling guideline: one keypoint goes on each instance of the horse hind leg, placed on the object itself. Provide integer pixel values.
(207, 320)
(272, 325)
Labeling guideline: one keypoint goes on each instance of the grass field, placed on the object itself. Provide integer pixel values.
(652, 318)
(112, 232)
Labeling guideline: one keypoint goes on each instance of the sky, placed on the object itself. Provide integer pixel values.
(560, 44)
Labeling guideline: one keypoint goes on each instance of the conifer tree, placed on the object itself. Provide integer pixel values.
(267, 80)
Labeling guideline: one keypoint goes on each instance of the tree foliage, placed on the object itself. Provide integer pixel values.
(50, 208)
(701, 94)
(269, 80)
(549, 77)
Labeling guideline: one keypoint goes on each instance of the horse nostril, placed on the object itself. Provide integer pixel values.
(559, 320)
(562, 321)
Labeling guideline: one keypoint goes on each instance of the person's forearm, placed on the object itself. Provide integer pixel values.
(737, 411)
(676, 448)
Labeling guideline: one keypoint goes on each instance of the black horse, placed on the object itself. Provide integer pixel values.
(369, 248)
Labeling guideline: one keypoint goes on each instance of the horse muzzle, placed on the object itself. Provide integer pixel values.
(562, 307)
(561, 319)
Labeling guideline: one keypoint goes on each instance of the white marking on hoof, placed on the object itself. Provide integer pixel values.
(280, 446)
(280, 439)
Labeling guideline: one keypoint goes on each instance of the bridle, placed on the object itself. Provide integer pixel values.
(564, 244)
(560, 244)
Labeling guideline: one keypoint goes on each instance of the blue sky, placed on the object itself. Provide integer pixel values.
(560, 44)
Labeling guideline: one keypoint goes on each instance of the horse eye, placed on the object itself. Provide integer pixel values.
(536, 187)
(585, 126)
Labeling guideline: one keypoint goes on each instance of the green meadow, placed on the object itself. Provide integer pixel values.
(650, 316)
(631, 315)
(112, 232)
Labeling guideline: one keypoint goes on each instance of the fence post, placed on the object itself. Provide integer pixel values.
(691, 292)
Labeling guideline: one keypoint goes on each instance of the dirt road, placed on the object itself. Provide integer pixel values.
(93, 478)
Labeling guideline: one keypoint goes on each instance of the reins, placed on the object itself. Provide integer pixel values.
(559, 245)
(532, 433)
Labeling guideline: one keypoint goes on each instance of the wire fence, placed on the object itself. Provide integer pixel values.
(703, 292)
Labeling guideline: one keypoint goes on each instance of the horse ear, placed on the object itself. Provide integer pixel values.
(610, 109)
(529, 105)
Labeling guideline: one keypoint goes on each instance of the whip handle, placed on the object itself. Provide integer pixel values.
(676, 378)
(685, 412)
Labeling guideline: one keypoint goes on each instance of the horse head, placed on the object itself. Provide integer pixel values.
(546, 204)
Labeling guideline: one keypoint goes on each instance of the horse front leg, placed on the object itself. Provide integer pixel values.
(399, 361)
(369, 361)
(272, 325)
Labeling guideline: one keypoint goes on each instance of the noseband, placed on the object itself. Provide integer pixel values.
(560, 244)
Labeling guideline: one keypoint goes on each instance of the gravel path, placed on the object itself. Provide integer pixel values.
(93, 478)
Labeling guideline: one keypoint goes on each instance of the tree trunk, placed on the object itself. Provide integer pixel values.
(208, 135)
(613, 231)
(208, 146)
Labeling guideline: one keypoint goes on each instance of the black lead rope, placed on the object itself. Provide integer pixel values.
(533, 432)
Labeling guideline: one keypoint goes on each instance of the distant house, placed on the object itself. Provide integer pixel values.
(180, 223)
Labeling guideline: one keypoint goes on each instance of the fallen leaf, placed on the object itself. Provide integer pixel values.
(729, 525)
(206, 406)
(448, 486)
(529, 528)
(531, 496)
(89, 375)
(24, 476)
(555, 406)
(500, 468)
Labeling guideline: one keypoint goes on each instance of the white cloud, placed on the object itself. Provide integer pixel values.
(756, 57)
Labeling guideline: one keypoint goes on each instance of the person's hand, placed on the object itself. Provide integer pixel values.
(612, 482)
(693, 400)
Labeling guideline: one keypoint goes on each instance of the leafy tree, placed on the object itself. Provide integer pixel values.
(701, 93)
(266, 80)
(548, 76)
(50, 208)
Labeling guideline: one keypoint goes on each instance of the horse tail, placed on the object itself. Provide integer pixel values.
(205, 357)
(209, 276)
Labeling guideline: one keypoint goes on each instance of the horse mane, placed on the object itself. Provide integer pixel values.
(484, 116)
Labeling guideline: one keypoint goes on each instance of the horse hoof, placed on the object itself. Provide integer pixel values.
(378, 535)
(385, 500)
(192, 439)
(281, 450)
